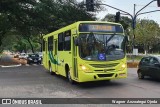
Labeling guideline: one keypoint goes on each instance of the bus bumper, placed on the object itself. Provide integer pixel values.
(86, 77)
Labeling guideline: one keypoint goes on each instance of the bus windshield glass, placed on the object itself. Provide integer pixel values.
(101, 47)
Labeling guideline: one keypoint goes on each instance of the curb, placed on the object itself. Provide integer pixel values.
(11, 66)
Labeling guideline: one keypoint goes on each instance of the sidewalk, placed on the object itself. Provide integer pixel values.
(7, 61)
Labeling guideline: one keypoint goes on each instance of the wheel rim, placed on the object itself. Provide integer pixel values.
(69, 77)
(139, 74)
(50, 69)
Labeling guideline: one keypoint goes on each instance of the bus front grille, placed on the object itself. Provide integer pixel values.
(105, 70)
(105, 75)
(104, 65)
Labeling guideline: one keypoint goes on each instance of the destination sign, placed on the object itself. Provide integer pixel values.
(107, 28)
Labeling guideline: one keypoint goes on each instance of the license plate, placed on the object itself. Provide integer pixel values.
(123, 74)
(35, 60)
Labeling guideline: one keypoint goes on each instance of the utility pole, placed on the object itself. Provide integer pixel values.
(133, 17)
(133, 28)
(90, 7)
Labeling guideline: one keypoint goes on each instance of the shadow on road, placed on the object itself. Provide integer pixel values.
(96, 84)
(151, 79)
(89, 85)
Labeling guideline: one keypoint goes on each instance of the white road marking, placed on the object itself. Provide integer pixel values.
(11, 66)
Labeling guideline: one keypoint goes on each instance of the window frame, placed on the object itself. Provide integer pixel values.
(43, 45)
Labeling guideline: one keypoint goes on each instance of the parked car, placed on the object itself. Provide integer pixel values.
(40, 54)
(149, 66)
(34, 58)
(23, 56)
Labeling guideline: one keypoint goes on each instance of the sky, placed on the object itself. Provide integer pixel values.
(128, 6)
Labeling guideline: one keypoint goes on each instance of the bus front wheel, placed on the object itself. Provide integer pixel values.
(69, 77)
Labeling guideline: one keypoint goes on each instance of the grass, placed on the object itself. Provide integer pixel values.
(0, 55)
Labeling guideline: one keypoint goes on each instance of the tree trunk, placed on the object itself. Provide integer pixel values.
(0, 40)
(1, 37)
(28, 39)
(145, 49)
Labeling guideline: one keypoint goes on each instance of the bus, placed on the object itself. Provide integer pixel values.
(86, 51)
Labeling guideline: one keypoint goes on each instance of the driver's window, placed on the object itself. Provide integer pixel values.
(153, 61)
(145, 61)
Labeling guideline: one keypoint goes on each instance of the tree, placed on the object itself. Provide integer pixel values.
(34, 18)
(5, 26)
(125, 21)
(147, 34)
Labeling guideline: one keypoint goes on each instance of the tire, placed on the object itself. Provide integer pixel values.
(69, 78)
(108, 80)
(140, 75)
(50, 70)
(28, 62)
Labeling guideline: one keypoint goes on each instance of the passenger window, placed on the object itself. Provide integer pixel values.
(43, 45)
(50, 43)
(67, 40)
(60, 42)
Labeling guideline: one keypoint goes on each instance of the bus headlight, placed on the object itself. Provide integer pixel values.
(123, 66)
(85, 69)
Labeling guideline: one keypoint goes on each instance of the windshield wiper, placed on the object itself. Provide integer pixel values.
(109, 39)
(107, 42)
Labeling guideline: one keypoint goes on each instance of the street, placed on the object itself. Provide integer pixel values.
(33, 81)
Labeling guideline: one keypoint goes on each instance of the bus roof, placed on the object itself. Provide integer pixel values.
(75, 25)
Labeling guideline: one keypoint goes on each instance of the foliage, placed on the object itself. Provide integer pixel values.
(125, 21)
(31, 19)
(147, 34)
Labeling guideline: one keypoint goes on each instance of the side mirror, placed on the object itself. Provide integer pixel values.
(77, 41)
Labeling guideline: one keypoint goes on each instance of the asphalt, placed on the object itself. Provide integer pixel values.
(33, 81)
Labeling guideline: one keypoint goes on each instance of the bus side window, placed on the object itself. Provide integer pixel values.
(60, 42)
(50, 43)
(67, 40)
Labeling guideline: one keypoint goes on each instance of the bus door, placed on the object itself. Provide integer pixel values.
(55, 56)
(74, 64)
(65, 52)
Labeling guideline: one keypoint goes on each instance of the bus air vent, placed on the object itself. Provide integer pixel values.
(105, 75)
(98, 70)
(104, 65)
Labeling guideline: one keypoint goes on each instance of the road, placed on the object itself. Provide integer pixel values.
(33, 81)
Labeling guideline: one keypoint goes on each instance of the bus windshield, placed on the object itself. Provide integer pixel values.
(101, 47)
